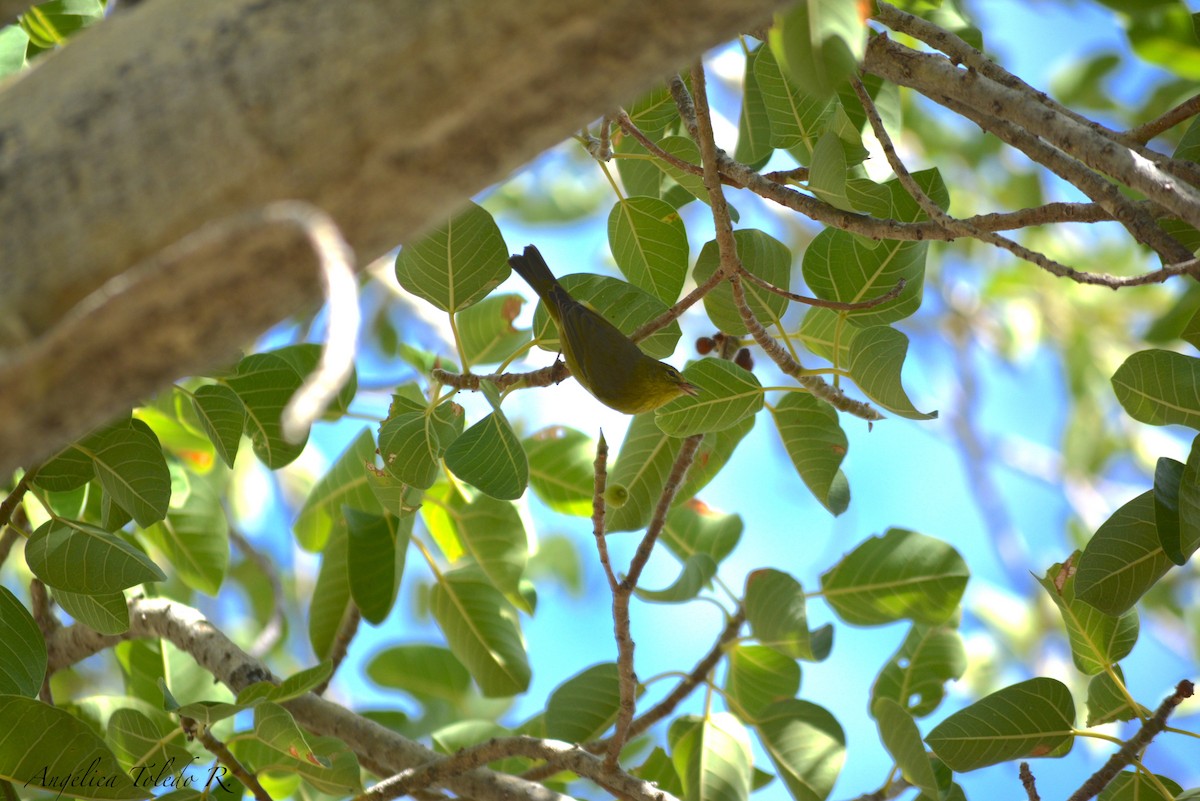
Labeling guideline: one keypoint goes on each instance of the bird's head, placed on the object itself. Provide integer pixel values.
(659, 383)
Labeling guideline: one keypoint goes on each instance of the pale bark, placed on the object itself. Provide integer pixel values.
(387, 115)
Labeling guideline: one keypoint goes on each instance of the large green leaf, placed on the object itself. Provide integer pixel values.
(280, 746)
(806, 745)
(715, 450)
(1106, 701)
(759, 676)
(481, 629)
(760, 254)
(649, 244)
(425, 671)
(816, 444)
(489, 456)
(223, 417)
(827, 334)
(916, 675)
(1097, 640)
(820, 43)
(712, 755)
(331, 595)
(456, 264)
(776, 611)
(560, 469)
(585, 705)
(876, 358)
(754, 126)
(1031, 719)
(621, 303)
(1123, 559)
(195, 537)
(347, 483)
(727, 394)
(797, 120)
(23, 656)
(132, 469)
(902, 740)
(642, 467)
(900, 575)
(1133, 785)
(148, 741)
(695, 528)
(698, 571)
(412, 442)
(486, 331)
(106, 613)
(264, 383)
(1160, 387)
(78, 557)
(492, 533)
(51, 749)
(1188, 536)
(847, 268)
(377, 549)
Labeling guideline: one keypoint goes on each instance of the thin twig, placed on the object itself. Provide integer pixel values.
(13, 499)
(600, 471)
(624, 592)
(1134, 746)
(544, 377)
(1163, 122)
(569, 757)
(196, 730)
(1028, 782)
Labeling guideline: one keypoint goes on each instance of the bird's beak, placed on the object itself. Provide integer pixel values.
(689, 389)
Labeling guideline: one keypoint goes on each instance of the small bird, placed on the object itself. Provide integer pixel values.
(606, 362)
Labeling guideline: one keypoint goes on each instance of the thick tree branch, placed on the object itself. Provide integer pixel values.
(378, 748)
(372, 112)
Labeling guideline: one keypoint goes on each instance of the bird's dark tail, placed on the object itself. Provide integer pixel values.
(533, 268)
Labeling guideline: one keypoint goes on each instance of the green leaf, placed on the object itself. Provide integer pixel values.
(639, 176)
(776, 610)
(456, 264)
(195, 537)
(491, 532)
(51, 747)
(816, 444)
(585, 705)
(132, 469)
(489, 456)
(902, 740)
(280, 746)
(830, 170)
(642, 467)
(827, 334)
(754, 126)
(293, 686)
(560, 469)
(901, 575)
(378, 545)
(695, 528)
(1031, 719)
(14, 42)
(712, 755)
(715, 450)
(820, 43)
(1097, 640)
(806, 744)
(78, 557)
(649, 244)
(848, 268)
(424, 671)
(916, 674)
(621, 303)
(23, 658)
(1107, 702)
(412, 443)
(797, 119)
(264, 383)
(758, 676)
(107, 613)
(1167, 475)
(876, 358)
(330, 596)
(1123, 559)
(481, 629)
(684, 148)
(346, 484)
(761, 255)
(1160, 387)
(148, 742)
(71, 469)
(1131, 785)
(223, 417)
(698, 571)
(727, 394)
(658, 769)
(486, 331)
(1189, 510)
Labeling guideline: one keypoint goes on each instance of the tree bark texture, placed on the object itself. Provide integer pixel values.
(174, 114)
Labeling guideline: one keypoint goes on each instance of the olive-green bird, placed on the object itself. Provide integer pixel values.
(605, 361)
